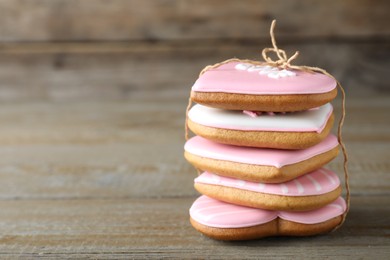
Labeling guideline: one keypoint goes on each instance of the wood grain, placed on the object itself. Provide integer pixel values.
(107, 179)
(93, 95)
(112, 149)
(159, 228)
(126, 71)
(91, 20)
(95, 49)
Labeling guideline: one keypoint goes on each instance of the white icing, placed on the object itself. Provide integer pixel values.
(315, 182)
(284, 188)
(271, 72)
(241, 183)
(303, 121)
(216, 178)
(208, 208)
(300, 187)
(226, 213)
(327, 176)
(261, 186)
(336, 206)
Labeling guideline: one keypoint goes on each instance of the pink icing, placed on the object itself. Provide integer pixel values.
(259, 113)
(214, 213)
(227, 79)
(251, 113)
(211, 212)
(317, 182)
(258, 156)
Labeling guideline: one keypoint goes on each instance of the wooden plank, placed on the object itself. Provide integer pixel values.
(106, 179)
(128, 71)
(88, 20)
(158, 228)
(134, 149)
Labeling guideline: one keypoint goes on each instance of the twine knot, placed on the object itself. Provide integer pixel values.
(283, 62)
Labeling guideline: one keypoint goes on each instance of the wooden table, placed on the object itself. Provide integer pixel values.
(92, 103)
(107, 179)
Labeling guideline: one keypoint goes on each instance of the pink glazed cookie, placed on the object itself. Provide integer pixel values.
(311, 191)
(243, 86)
(223, 221)
(258, 164)
(295, 130)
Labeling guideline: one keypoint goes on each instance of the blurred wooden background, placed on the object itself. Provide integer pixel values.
(93, 95)
(70, 49)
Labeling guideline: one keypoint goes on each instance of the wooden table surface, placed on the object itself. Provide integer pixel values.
(92, 103)
(107, 179)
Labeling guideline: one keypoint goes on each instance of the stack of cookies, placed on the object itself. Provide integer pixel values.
(262, 139)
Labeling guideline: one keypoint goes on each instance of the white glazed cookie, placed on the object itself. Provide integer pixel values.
(295, 130)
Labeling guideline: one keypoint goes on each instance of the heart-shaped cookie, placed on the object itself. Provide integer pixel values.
(258, 164)
(295, 130)
(224, 221)
(310, 191)
(242, 86)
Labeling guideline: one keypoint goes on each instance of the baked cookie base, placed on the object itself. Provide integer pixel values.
(261, 173)
(263, 139)
(267, 201)
(268, 103)
(276, 227)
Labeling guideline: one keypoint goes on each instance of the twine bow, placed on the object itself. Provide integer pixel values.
(284, 62)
